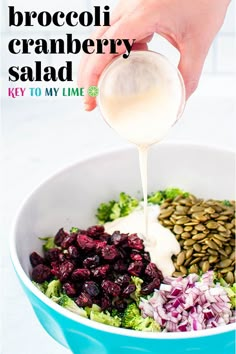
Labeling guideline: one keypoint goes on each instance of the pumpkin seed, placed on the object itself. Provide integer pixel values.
(212, 244)
(189, 242)
(177, 274)
(229, 278)
(181, 258)
(224, 264)
(183, 270)
(212, 225)
(226, 270)
(205, 267)
(193, 269)
(197, 247)
(199, 236)
(178, 229)
(189, 253)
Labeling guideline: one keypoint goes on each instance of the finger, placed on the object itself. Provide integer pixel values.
(192, 57)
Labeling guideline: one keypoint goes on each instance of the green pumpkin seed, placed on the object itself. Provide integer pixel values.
(229, 278)
(205, 267)
(226, 270)
(181, 258)
(178, 229)
(224, 264)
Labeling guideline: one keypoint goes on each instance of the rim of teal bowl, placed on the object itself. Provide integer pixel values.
(87, 322)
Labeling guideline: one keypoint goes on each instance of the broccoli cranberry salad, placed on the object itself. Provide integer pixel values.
(112, 278)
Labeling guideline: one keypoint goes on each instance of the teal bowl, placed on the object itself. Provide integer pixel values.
(70, 198)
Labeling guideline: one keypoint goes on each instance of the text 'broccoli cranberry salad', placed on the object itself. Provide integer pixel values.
(110, 274)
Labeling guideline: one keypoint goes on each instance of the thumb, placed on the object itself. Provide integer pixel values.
(192, 59)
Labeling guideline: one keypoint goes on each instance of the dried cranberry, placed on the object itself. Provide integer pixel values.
(101, 271)
(55, 269)
(69, 289)
(62, 257)
(135, 268)
(105, 303)
(123, 280)
(128, 290)
(68, 241)
(73, 252)
(85, 242)
(111, 288)
(149, 288)
(110, 253)
(41, 273)
(152, 271)
(36, 259)
(135, 242)
(95, 231)
(84, 300)
(91, 288)
(100, 245)
(136, 256)
(105, 237)
(60, 237)
(91, 262)
(80, 274)
(120, 266)
(117, 238)
(146, 256)
(65, 269)
(52, 255)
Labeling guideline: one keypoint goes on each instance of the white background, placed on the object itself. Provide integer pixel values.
(40, 136)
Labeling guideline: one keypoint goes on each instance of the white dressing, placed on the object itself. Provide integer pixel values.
(161, 242)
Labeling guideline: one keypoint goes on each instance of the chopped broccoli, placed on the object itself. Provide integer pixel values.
(231, 291)
(48, 243)
(227, 203)
(172, 193)
(113, 210)
(132, 319)
(42, 287)
(104, 317)
(53, 289)
(137, 293)
(156, 198)
(66, 302)
(169, 193)
(74, 230)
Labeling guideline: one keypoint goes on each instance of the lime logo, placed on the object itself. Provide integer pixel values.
(93, 91)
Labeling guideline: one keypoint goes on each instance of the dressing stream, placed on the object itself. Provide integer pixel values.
(141, 98)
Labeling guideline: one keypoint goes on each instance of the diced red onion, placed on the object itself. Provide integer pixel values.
(190, 303)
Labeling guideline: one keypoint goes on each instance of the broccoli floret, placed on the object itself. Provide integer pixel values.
(66, 302)
(169, 193)
(137, 293)
(227, 203)
(42, 287)
(74, 230)
(172, 193)
(104, 211)
(132, 319)
(115, 209)
(53, 289)
(231, 292)
(104, 317)
(48, 243)
(156, 198)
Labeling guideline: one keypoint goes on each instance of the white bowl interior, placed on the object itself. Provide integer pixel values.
(70, 198)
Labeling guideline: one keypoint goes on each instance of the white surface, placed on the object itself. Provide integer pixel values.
(40, 137)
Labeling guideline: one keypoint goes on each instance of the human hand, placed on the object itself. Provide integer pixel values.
(188, 25)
